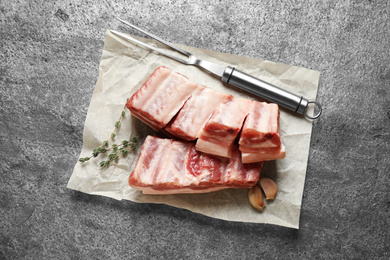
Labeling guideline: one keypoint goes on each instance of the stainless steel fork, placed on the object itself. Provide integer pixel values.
(232, 76)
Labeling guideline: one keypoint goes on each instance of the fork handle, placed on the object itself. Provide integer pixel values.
(267, 91)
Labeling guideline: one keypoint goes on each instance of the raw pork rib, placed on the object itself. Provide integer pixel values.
(167, 166)
(220, 131)
(161, 97)
(170, 103)
(264, 155)
(194, 114)
(260, 135)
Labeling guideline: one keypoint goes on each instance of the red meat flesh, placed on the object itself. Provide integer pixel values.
(220, 131)
(170, 103)
(161, 97)
(167, 166)
(260, 135)
(195, 112)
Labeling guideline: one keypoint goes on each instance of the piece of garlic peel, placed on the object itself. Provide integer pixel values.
(256, 197)
(269, 187)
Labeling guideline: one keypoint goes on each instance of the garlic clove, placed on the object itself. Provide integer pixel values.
(269, 187)
(256, 197)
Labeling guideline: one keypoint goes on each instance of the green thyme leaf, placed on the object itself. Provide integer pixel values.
(95, 152)
(84, 159)
(104, 163)
(117, 150)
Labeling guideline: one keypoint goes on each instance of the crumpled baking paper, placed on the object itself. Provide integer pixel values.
(125, 66)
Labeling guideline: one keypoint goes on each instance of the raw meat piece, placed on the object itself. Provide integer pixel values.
(195, 112)
(220, 131)
(167, 166)
(264, 155)
(260, 135)
(170, 103)
(161, 97)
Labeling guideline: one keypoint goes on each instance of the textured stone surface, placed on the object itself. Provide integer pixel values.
(50, 53)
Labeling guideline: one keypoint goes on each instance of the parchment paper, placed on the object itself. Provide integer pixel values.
(125, 66)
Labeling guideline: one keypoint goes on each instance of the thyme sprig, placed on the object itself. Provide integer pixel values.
(120, 150)
(116, 150)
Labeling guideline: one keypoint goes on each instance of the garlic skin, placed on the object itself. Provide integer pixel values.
(256, 197)
(269, 187)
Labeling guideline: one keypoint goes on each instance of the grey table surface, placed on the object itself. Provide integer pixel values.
(50, 54)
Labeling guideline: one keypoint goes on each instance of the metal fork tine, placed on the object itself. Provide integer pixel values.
(213, 68)
(149, 46)
(156, 38)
